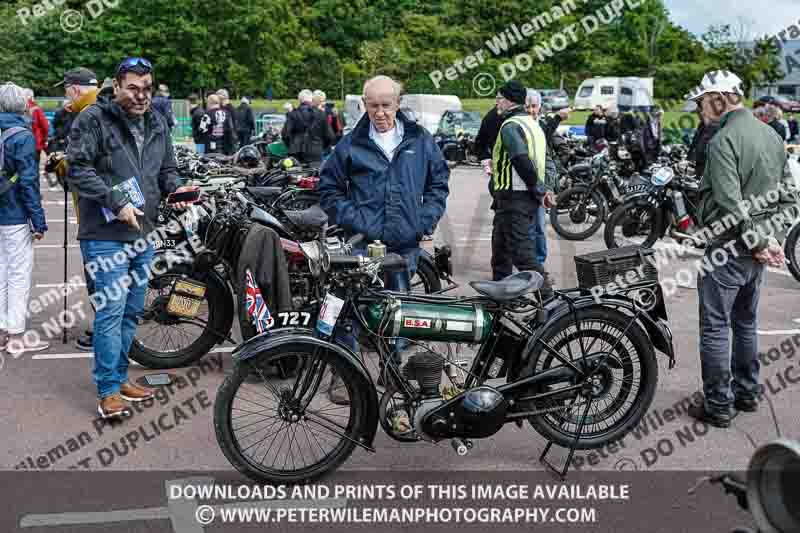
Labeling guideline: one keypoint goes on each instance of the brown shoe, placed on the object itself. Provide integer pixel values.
(134, 393)
(113, 407)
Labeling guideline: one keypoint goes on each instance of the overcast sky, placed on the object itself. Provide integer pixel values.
(760, 16)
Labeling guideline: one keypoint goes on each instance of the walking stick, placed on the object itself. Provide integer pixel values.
(66, 261)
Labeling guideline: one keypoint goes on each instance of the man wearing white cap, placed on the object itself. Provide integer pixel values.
(746, 161)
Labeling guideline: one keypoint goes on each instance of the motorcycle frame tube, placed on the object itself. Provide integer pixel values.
(275, 338)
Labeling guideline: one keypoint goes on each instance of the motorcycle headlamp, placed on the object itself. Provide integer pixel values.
(662, 176)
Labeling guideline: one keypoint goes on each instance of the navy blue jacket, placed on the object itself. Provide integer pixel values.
(23, 202)
(396, 202)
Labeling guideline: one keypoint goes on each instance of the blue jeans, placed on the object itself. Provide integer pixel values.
(200, 148)
(538, 235)
(729, 302)
(120, 284)
(398, 281)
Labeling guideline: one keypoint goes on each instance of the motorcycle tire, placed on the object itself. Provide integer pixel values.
(267, 399)
(597, 323)
(220, 321)
(427, 277)
(790, 251)
(619, 218)
(563, 200)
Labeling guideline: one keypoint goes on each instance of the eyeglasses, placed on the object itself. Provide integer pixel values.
(133, 62)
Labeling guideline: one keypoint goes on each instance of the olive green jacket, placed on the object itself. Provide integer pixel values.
(746, 176)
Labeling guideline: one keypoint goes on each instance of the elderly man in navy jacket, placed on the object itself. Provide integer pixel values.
(387, 179)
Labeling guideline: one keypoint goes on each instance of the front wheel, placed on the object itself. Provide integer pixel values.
(578, 214)
(633, 225)
(426, 279)
(617, 393)
(282, 429)
(790, 251)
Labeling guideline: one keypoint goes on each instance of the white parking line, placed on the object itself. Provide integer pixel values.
(89, 355)
(55, 245)
(57, 285)
(779, 332)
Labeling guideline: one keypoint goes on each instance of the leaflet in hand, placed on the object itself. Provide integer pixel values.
(128, 188)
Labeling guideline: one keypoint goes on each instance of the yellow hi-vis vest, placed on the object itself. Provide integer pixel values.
(505, 175)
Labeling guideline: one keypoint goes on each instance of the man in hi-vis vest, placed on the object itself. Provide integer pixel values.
(519, 165)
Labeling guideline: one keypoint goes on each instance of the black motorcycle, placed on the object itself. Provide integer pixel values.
(582, 371)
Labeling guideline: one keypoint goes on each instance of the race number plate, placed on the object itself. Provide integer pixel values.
(329, 314)
(186, 298)
(634, 189)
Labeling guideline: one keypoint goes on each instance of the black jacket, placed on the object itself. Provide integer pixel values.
(698, 150)
(245, 119)
(263, 255)
(101, 147)
(163, 105)
(596, 127)
(307, 133)
(197, 113)
(221, 138)
(487, 134)
(779, 128)
(793, 128)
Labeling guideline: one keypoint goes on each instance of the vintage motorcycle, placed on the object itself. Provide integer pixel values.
(581, 370)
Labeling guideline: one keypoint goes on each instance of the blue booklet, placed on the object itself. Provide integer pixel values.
(130, 189)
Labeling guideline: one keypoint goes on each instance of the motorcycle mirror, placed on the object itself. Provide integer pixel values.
(773, 483)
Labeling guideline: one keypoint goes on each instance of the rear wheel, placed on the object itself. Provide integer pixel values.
(578, 214)
(283, 429)
(617, 394)
(791, 252)
(633, 225)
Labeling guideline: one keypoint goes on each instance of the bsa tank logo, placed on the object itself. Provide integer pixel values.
(417, 323)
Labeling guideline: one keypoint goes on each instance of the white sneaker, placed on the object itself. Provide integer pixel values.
(16, 346)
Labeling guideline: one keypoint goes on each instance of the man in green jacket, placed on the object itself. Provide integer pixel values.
(746, 200)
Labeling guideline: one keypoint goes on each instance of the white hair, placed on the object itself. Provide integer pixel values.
(319, 95)
(28, 94)
(532, 97)
(397, 88)
(245, 100)
(305, 96)
(288, 106)
(12, 99)
(222, 93)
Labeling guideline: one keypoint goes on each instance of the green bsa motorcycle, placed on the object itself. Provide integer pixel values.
(581, 369)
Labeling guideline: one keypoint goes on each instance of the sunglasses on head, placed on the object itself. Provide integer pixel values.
(133, 62)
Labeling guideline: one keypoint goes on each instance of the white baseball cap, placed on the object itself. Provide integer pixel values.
(717, 81)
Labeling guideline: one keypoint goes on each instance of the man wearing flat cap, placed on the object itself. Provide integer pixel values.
(520, 163)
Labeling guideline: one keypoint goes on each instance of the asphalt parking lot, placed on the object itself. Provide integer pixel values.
(48, 405)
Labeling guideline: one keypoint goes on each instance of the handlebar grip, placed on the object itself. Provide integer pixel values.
(394, 262)
(355, 239)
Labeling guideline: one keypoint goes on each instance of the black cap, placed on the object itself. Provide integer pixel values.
(79, 76)
(514, 91)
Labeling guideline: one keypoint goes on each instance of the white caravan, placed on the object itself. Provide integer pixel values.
(623, 94)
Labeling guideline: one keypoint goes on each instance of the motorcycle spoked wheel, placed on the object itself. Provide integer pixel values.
(268, 435)
(791, 252)
(618, 394)
(580, 206)
(640, 224)
(425, 279)
(161, 340)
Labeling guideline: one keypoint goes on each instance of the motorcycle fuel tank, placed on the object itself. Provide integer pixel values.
(433, 322)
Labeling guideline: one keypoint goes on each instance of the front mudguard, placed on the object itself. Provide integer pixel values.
(642, 199)
(653, 321)
(275, 338)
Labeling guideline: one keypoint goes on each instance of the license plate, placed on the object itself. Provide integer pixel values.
(637, 188)
(165, 244)
(186, 298)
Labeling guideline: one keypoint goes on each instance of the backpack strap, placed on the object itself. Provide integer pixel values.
(7, 182)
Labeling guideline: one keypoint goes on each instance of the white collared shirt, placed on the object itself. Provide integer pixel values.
(389, 140)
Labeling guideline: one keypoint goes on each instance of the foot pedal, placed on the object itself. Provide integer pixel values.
(461, 446)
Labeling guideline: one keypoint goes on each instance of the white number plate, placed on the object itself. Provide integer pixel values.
(329, 314)
(294, 319)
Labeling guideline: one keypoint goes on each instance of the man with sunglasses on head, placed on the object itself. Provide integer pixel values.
(121, 163)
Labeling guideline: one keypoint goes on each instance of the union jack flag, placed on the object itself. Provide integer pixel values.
(256, 306)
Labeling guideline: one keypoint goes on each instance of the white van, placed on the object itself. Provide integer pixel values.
(429, 108)
(623, 94)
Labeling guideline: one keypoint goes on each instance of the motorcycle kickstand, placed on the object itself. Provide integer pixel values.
(562, 474)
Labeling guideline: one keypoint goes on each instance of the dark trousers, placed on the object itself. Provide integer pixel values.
(512, 245)
(244, 138)
(729, 302)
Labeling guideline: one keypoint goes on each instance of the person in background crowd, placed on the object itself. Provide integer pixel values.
(533, 105)
(520, 166)
(225, 103)
(220, 134)
(57, 142)
(613, 128)
(80, 89)
(596, 125)
(22, 220)
(163, 104)
(245, 121)
(39, 126)
(652, 135)
(761, 113)
(318, 99)
(774, 116)
(196, 113)
(120, 139)
(698, 149)
(487, 135)
(794, 130)
(288, 107)
(745, 160)
(388, 180)
(335, 120)
(306, 132)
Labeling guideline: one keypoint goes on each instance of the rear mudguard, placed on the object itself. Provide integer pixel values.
(654, 322)
(276, 338)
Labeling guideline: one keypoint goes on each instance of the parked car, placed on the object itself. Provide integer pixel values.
(554, 99)
(782, 102)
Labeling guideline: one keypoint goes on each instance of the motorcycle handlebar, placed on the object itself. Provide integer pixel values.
(394, 262)
(355, 239)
